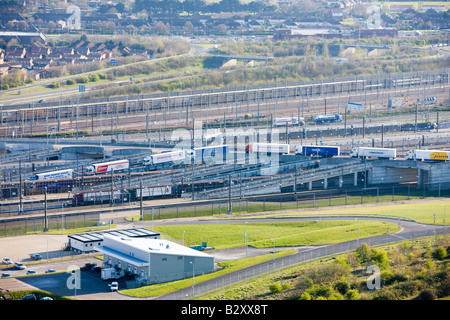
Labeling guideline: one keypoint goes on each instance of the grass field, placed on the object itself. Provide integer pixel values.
(284, 234)
(431, 212)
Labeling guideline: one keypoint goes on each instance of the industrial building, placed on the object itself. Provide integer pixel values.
(151, 261)
(89, 241)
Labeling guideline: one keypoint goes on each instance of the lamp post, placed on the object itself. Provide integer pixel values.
(273, 251)
(445, 227)
(193, 277)
(245, 240)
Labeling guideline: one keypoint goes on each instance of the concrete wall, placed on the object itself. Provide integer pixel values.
(435, 175)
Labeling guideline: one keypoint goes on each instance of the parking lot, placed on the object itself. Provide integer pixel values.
(61, 281)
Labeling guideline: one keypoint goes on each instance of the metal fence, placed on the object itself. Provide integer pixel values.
(292, 200)
(54, 223)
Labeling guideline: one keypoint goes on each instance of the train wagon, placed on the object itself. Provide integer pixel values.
(150, 192)
(422, 126)
(106, 167)
(164, 160)
(268, 148)
(380, 153)
(428, 155)
(319, 151)
(60, 174)
(94, 197)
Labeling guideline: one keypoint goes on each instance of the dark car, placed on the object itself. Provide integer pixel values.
(96, 269)
(29, 297)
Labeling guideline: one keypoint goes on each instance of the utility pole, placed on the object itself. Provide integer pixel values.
(141, 215)
(230, 209)
(45, 210)
(112, 188)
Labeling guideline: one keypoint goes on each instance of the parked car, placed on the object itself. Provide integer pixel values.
(5, 275)
(7, 260)
(31, 272)
(19, 265)
(114, 286)
(45, 298)
(35, 256)
(29, 297)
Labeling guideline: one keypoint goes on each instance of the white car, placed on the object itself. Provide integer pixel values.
(19, 265)
(114, 286)
(7, 260)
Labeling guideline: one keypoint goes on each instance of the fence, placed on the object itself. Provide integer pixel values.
(54, 223)
(264, 203)
(289, 201)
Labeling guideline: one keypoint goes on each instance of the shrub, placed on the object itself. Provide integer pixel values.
(54, 85)
(342, 286)
(440, 253)
(94, 78)
(70, 82)
(275, 288)
(352, 294)
(428, 294)
(82, 79)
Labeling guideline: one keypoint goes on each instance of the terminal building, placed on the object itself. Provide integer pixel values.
(151, 261)
(89, 241)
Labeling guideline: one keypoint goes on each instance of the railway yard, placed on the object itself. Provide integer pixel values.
(219, 152)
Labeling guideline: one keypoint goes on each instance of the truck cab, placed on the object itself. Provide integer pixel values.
(89, 170)
(410, 155)
(354, 153)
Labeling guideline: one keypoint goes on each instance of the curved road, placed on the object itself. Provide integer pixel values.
(409, 230)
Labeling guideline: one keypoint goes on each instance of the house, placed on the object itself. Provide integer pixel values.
(15, 53)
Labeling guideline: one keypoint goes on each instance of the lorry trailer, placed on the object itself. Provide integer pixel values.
(60, 174)
(210, 154)
(328, 118)
(319, 151)
(164, 160)
(380, 153)
(267, 148)
(289, 121)
(428, 155)
(106, 167)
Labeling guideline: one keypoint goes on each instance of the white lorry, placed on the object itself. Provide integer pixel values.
(428, 155)
(165, 159)
(380, 153)
(61, 174)
(105, 167)
(274, 148)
